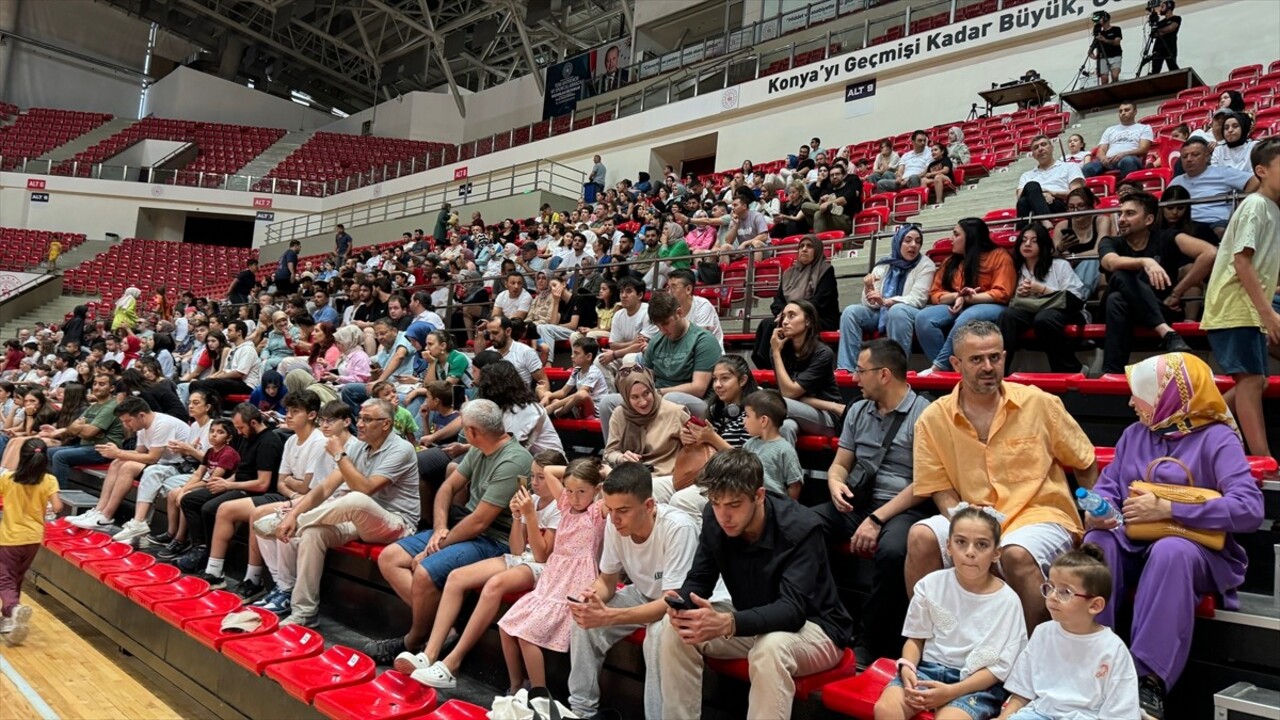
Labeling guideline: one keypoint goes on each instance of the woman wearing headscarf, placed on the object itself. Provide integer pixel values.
(1181, 415)
(810, 278)
(132, 351)
(893, 292)
(646, 428)
(126, 310)
(269, 394)
(299, 379)
(353, 367)
(956, 149)
(280, 340)
(73, 329)
(1235, 148)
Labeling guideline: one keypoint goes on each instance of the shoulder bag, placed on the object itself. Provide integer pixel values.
(1188, 494)
(862, 477)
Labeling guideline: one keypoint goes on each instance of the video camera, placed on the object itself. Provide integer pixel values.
(1098, 17)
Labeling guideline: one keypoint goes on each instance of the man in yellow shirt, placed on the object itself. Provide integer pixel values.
(1002, 445)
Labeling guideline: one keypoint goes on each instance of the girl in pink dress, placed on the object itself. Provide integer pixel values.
(542, 619)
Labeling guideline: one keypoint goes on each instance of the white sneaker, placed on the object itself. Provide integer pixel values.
(87, 519)
(926, 372)
(407, 662)
(19, 626)
(436, 676)
(131, 531)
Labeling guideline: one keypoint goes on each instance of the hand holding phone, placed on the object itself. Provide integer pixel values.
(677, 603)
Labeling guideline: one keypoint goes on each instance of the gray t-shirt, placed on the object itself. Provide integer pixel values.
(396, 461)
(781, 464)
(863, 435)
(493, 480)
(598, 173)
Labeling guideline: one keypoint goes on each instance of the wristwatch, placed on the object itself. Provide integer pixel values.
(872, 517)
(337, 457)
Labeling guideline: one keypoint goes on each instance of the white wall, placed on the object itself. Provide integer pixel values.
(428, 116)
(146, 153)
(501, 108)
(187, 94)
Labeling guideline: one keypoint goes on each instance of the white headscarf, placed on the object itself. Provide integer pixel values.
(129, 299)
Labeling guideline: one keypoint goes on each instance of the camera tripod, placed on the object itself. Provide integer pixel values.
(973, 113)
(1083, 72)
(1148, 50)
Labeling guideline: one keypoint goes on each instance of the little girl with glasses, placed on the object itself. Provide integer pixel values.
(1074, 668)
(964, 629)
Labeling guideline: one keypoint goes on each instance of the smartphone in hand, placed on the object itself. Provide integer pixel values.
(676, 603)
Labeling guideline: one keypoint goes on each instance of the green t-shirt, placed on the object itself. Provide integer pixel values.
(677, 253)
(493, 480)
(404, 424)
(674, 362)
(103, 416)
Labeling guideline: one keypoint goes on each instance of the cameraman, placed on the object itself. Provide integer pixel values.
(1164, 28)
(1106, 48)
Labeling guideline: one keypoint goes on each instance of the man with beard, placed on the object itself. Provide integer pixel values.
(1003, 445)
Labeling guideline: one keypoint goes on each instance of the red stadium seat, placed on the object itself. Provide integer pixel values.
(805, 684)
(64, 539)
(128, 563)
(187, 586)
(934, 382)
(157, 574)
(1154, 180)
(290, 642)
(109, 551)
(208, 631)
(390, 696)
(181, 612)
(336, 667)
(457, 710)
(1101, 185)
(856, 696)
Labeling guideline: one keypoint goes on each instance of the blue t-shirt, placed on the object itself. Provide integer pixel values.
(282, 270)
(1212, 182)
(406, 363)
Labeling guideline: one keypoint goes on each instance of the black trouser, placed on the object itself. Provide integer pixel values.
(1031, 202)
(1162, 55)
(886, 606)
(222, 387)
(238, 299)
(285, 287)
(1050, 326)
(200, 507)
(762, 351)
(1130, 303)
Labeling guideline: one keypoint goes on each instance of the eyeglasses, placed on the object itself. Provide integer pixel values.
(366, 419)
(1063, 594)
(859, 371)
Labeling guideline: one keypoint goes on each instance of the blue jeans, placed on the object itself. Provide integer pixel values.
(353, 394)
(62, 459)
(935, 322)
(857, 319)
(1126, 165)
(451, 557)
(1089, 271)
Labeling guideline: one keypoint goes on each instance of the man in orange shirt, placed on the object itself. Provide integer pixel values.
(1002, 445)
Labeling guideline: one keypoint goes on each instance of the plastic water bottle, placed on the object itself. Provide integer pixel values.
(1097, 506)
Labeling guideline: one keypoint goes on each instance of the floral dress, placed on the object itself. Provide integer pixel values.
(542, 617)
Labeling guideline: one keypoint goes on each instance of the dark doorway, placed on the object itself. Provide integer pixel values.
(224, 230)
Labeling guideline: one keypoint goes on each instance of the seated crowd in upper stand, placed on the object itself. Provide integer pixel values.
(699, 466)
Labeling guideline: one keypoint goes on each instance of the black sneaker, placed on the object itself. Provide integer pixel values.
(194, 560)
(1173, 342)
(159, 539)
(1151, 697)
(250, 590)
(216, 582)
(174, 550)
(384, 652)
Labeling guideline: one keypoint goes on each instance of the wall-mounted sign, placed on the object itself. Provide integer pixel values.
(264, 216)
(263, 202)
(464, 190)
(35, 184)
(40, 197)
(460, 173)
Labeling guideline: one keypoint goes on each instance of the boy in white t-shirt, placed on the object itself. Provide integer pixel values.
(1074, 668)
(581, 394)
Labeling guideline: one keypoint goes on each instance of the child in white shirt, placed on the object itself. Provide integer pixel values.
(581, 394)
(1073, 668)
(964, 629)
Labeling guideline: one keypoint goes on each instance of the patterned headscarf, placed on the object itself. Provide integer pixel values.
(1175, 395)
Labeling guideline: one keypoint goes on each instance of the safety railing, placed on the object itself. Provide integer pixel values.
(542, 175)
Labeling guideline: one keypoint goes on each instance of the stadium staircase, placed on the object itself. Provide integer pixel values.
(55, 310)
(68, 150)
(270, 158)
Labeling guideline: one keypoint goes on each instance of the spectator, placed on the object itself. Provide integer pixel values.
(1078, 237)
(652, 546)
(1235, 149)
(287, 273)
(279, 342)
(596, 180)
(680, 357)
(581, 394)
(805, 367)
(395, 359)
(765, 412)
(515, 302)
(195, 451)
(35, 413)
(299, 380)
(790, 218)
(975, 283)
(697, 309)
(341, 243)
(1182, 417)
(835, 209)
(646, 429)
(783, 612)
(1124, 146)
(1049, 297)
(938, 176)
(126, 310)
(1203, 180)
(243, 370)
(1175, 215)
(323, 312)
(458, 537)
(522, 357)
(269, 395)
(886, 164)
(1077, 152)
(77, 443)
(523, 415)
(154, 431)
(160, 394)
(892, 294)
(1141, 267)
(260, 450)
(1043, 189)
(242, 289)
(810, 278)
(873, 502)
(956, 149)
(1238, 301)
(1031, 448)
(564, 317)
(353, 366)
(910, 167)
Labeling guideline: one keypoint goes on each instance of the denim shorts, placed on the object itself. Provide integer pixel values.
(1240, 350)
(451, 557)
(981, 705)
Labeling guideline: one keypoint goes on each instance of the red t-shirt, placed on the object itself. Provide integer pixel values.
(226, 458)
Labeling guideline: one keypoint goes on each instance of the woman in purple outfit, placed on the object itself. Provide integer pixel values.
(1181, 414)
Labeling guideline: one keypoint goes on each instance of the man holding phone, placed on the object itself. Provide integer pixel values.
(783, 613)
(654, 545)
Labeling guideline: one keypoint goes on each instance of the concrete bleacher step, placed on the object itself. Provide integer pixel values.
(1246, 700)
(56, 309)
(68, 150)
(270, 158)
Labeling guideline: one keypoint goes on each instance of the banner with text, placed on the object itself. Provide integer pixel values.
(595, 71)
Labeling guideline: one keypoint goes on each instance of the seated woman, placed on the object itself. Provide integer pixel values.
(73, 404)
(956, 149)
(886, 163)
(160, 394)
(646, 428)
(805, 369)
(36, 411)
(893, 292)
(279, 342)
(1176, 216)
(790, 220)
(606, 304)
(353, 366)
(208, 360)
(975, 283)
(1181, 415)
(937, 176)
(1078, 237)
(564, 317)
(269, 395)
(162, 347)
(1236, 147)
(811, 278)
(1040, 276)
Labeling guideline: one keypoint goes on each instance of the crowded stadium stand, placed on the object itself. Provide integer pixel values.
(386, 238)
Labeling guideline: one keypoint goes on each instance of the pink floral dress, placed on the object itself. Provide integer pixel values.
(542, 617)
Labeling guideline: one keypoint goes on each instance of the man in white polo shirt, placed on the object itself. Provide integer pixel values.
(1043, 189)
(911, 165)
(1122, 147)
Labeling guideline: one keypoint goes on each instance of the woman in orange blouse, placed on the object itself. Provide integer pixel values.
(975, 283)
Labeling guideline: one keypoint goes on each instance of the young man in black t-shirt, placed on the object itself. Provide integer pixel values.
(242, 288)
(1106, 50)
(1165, 48)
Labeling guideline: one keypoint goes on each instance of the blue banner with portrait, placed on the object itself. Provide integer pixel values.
(566, 83)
